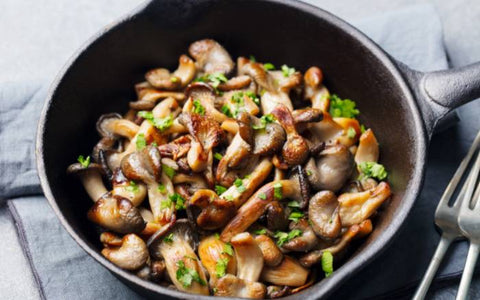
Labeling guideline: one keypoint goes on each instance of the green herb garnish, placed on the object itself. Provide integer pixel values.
(264, 120)
(351, 133)
(262, 196)
(141, 142)
(287, 71)
(169, 171)
(148, 115)
(309, 172)
(327, 263)
(254, 97)
(239, 184)
(85, 162)
(373, 170)
(293, 204)
(228, 197)
(342, 108)
(198, 107)
(173, 79)
(228, 249)
(283, 237)
(277, 190)
(132, 187)
(252, 58)
(218, 156)
(186, 275)
(226, 111)
(168, 239)
(221, 267)
(163, 123)
(362, 128)
(268, 66)
(295, 216)
(220, 189)
(260, 231)
(179, 201)
(161, 188)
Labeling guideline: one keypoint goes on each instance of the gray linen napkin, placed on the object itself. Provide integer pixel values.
(64, 271)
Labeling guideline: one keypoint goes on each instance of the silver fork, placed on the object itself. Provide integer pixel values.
(446, 219)
(469, 223)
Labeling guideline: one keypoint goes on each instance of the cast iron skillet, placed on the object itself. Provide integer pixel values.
(401, 105)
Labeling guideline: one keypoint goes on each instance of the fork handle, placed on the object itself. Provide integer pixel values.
(442, 247)
(468, 271)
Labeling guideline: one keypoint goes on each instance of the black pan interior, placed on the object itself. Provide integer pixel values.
(101, 80)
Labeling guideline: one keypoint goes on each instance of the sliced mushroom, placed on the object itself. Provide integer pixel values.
(323, 214)
(232, 286)
(272, 256)
(353, 231)
(212, 253)
(131, 255)
(249, 257)
(211, 57)
(290, 272)
(295, 150)
(162, 79)
(331, 169)
(367, 148)
(357, 207)
(176, 248)
(315, 90)
(135, 192)
(215, 211)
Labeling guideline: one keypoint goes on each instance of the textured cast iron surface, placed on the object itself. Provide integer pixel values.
(100, 78)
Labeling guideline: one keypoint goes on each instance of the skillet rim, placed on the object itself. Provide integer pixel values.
(356, 262)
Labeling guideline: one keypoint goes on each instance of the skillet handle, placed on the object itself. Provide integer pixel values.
(442, 91)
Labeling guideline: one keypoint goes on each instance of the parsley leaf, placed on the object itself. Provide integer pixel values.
(220, 189)
(216, 79)
(260, 231)
(262, 196)
(351, 133)
(309, 172)
(163, 123)
(293, 204)
(168, 239)
(166, 203)
(186, 275)
(373, 170)
(198, 107)
(179, 201)
(342, 108)
(283, 237)
(85, 162)
(174, 79)
(268, 66)
(239, 184)
(252, 58)
(169, 171)
(362, 128)
(295, 216)
(226, 111)
(141, 142)
(287, 71)
(217, 235)
(277, 190)
(132, 187)
(264, 120)
(221, 267)
(228, 249)
(161, 188)
(218, 156)
(254, 97)
(327, 263)
(148, 115)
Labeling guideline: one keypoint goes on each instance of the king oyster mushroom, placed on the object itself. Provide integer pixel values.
(131, 255)
(176, 248)
(162, 78)
(112, 212)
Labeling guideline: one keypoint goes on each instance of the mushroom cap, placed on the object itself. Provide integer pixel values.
(215, 211)
(269, 140)
(290, 272)
(211, 57)
(323, 214)
(306, 242)
(131, 255)
(232, 286)
(117, 214)
(143, 165)
(272, 255)
(102, 124)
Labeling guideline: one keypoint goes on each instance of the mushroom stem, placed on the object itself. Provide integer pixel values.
(249, 257)
(93, 185)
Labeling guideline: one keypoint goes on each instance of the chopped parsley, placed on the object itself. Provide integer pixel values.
(220, 189)
(373, 170)
(268, 66)
(351, 133)
(198, 107)
(215, 79)
(260, 231)
(294, 204)
(218, 156)
(216, 235)
(166, 203)
(342, 108)
(161, 123)
(309, 172)
(254, 97)
(287, 72)
(228, 249)
(362, 128)
(277, 190)
(327, 263)
(162, 189)
(141, 142)
(295, 216)
(264, 120)
(283, 237)
(132, 187)
(239, 184)
(148, 115)
(221, 267)
(178, 200)
(169, 171)
(226, 111)
(186, 275)
(168, 239)
(173, 79)
(85, 162)
(262, 196)
(252, 58)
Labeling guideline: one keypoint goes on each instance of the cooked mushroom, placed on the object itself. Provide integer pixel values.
(357, 207)
(232, 286)
(109, 239)
(215, 211)
(113, 125)
(249, 257)
(290, 272)
(272, 256)
(148, 98)
(193, 182)
(236, 153)
(91, 179)
(133, 191)
(235, 83)
(275, 291)
(315, 90)
(306, 241)
(276, 216)
(295, 150)
(269, 139)
(307, 115)
(323, 214)
(131, 255)
(162, 79)
(331, 169)
(183, 265)
(353, 231)
(201, 96)
(367, 148)
(211, 57)
(177, 148)
(238, 101)
(217, 257)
